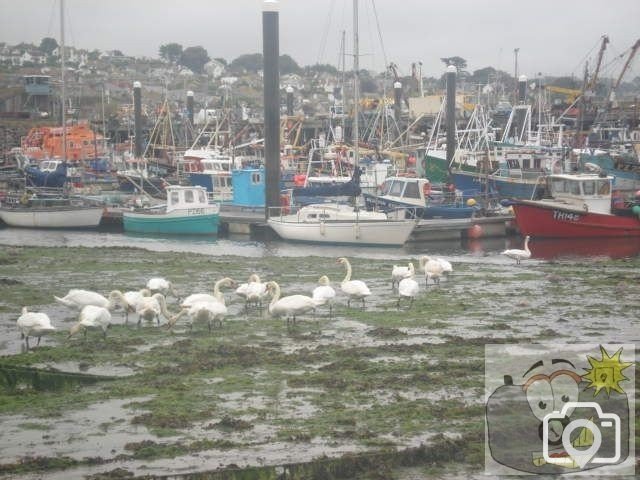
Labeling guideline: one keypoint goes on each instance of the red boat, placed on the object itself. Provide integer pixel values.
(580, 207)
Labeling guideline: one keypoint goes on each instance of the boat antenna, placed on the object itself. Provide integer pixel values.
(64, 93)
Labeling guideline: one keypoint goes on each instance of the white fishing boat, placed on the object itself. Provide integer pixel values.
(341, 224)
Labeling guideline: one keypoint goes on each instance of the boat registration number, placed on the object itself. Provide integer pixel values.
(566, 216)
(195, 211)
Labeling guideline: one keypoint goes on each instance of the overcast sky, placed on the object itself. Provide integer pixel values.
(554, 37)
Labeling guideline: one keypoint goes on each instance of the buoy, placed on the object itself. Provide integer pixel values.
(475, 231)
(471, 202)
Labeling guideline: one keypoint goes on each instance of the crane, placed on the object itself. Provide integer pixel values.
(632, 53)
(591, 84)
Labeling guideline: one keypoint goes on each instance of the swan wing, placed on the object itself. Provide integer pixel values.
(408, 287)
(355, 287)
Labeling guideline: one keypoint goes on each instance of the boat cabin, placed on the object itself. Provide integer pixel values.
(410, 190)
(587, 192)
(185, 198)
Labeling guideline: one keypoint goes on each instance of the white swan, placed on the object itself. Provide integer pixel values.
(133, 298)
(77, 298)
(92, 317)
(207, 297)
(447, 268)
(289, 306)
(324, 293)
(432, 268)
(398, 273)
(241, 291)
(408, 288)
(34, 324)
(160, 285)
(256, 291)
(151, 307)
(355, 289)
(518, 254)
(209, 312)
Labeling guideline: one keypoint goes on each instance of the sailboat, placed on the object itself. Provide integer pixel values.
(340, 223)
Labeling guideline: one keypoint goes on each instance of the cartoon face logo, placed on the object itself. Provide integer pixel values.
(552, 422)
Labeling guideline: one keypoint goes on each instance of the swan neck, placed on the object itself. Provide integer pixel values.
(348, 275)
(276, 295)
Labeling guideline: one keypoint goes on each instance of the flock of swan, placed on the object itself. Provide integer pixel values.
(149, 303)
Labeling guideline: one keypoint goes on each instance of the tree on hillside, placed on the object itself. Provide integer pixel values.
(321, 68)
(458, 62)
(221, 60)
(194, 58)
(171, 52)
(48, 45)
(251, 62)
(288, 65)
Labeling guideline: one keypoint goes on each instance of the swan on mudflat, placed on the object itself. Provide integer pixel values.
(518, 254)
(34, 324)
(355, 289)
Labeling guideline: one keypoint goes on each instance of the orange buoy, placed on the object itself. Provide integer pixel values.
(475, 231)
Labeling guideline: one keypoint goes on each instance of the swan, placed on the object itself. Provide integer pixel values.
(34, 324)
(355, 289)
(432, 269)
(207, 297)
(151, 307)
(77, 298)
(256, 291)
(241, 291)
(408, 288)
(133, 298)
(447, 268)
(92, 317)
(289, 306)
(518, 254)
(324, 293)
(398, 273)
(201, 311)
(160, 285)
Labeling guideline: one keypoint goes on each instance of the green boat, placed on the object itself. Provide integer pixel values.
(187, 212)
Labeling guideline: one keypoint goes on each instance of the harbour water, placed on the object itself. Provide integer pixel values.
(242, 245)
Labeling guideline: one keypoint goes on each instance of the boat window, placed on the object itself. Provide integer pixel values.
(589, 187)
(312, 215)
(323, 215)
(512, 163)
(174, 197)
(412, 190)
(386, 187)
(188, 196)
(201, 197)
(537, 162)
(255, 178)
(396, 188)
(604, 187)
(526, 163)
(557, 185)
(574, 188)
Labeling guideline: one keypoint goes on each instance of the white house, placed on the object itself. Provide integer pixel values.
(214, 68)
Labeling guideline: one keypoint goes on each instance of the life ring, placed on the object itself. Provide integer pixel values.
(285, 204)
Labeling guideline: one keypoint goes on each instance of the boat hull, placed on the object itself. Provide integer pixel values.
(539, 220)
(52, 218)
(171, 224)
(381, 233)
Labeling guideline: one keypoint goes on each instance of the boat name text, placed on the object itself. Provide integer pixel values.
(195, 211)
(566, 216)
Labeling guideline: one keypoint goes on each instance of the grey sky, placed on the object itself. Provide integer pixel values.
(554, 36)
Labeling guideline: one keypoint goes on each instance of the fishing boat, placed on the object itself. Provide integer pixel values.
(341, 224)
(419, 197)
(82, 143)
(580, 206)
(187, 212)
(39, 209)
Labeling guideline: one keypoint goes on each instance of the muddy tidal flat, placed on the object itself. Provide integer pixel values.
(375, 393)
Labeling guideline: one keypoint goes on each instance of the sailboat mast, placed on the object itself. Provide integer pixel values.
(64, 92)
(356, 84)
